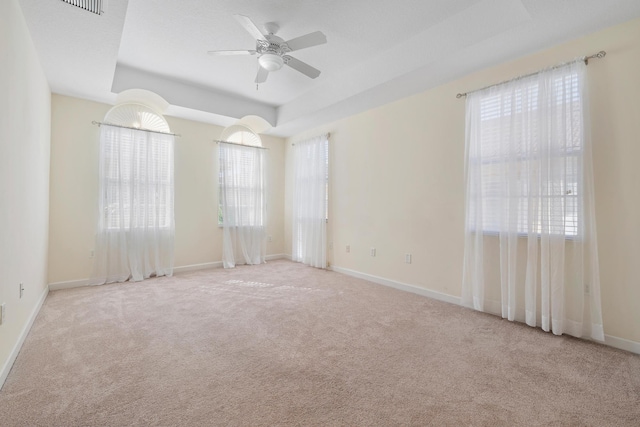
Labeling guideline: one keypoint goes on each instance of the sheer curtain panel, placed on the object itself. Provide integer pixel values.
(243, 204)
(136, 225)
(530, 238)
(311, 163)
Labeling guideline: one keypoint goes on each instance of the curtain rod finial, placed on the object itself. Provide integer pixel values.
(598, 55)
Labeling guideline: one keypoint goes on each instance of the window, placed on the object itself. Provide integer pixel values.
(310, 201)
(526, 155)
(316, 166)
(137, 169)
(239, 134)
(241, 177)
(326, 179)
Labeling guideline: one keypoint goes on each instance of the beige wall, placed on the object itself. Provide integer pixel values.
(397, 177)
(24, 177)
(74, 190)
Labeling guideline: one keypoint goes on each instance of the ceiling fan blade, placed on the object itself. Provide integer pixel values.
(303, 42)
(250, 27)
(231, 52)
(303, 67)
(262, 75)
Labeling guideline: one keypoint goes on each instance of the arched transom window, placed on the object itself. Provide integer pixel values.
(241, 135)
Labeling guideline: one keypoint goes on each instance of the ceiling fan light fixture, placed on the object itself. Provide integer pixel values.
(271, 61)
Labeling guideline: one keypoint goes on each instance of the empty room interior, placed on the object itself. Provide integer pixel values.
(272, 212)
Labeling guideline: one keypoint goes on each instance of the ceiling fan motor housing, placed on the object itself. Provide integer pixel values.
(273, 44)
(272, 53)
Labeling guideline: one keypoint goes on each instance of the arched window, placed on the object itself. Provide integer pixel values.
(136, 116)
(241, 135)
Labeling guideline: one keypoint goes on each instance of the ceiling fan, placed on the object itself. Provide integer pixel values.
(273, 51)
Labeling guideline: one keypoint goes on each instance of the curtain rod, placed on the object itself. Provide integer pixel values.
(586, 59)
(328, 136)
(218, 141)
(131, 127)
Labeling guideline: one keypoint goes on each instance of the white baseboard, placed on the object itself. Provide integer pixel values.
(398, 285)
(611, 341)
(216, 264)
(197, 267)
(68, 285)
(23, 335)
(176, 270)
(276, 256)
(622, 344)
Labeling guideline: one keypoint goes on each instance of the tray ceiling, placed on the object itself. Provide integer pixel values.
(377, 51)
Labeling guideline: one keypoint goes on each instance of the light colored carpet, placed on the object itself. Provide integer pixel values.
(285, 344)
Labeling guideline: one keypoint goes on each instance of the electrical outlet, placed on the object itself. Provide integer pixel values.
(21, 289)
(373, 251)
(269, 238)
(407, 258)
(348, 248)
(3, 310)
(331, 245)
(92, 253)
(587, 290)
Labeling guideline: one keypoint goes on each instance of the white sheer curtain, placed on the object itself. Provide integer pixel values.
(311, 163)
(243, 204)
(530, 241)
(136, 224)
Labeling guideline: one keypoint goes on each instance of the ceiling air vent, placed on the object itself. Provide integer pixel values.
(93, 6)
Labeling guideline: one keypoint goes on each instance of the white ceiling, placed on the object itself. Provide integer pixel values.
(377, 51)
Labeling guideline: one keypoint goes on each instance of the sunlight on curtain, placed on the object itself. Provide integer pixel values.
(136, 224)
(311, 163)
(243, 204)
(530, 238)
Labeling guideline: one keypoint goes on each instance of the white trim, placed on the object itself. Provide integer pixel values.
(4, 373)
(216, 264)
(622, 344)
(275, 256)
(492, 307)
(197, 267)
(68, 284)
(398, 285)
(176, 270)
